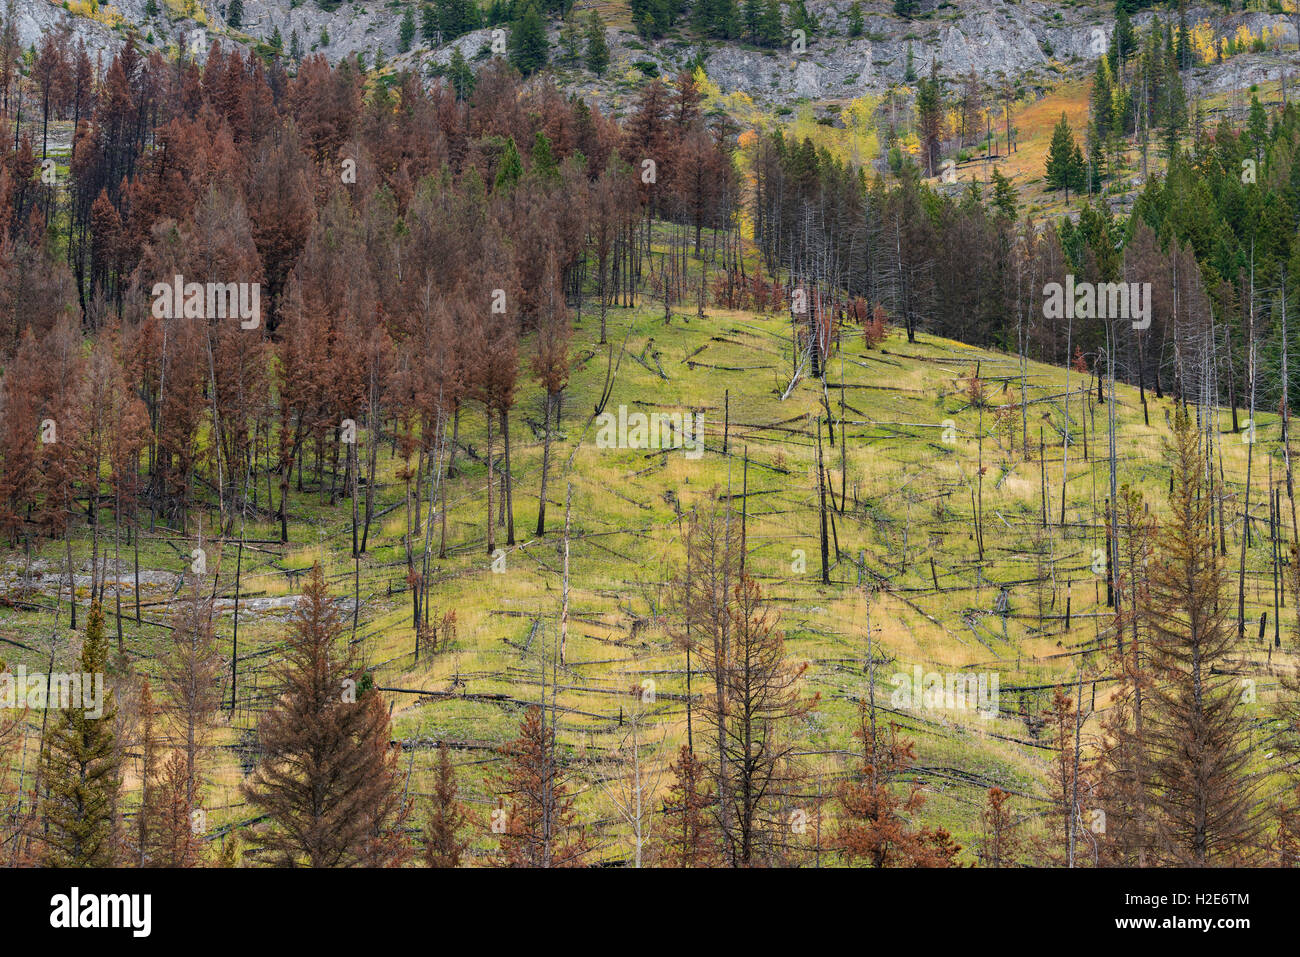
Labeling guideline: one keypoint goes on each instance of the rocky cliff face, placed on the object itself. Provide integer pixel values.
(1030, 41)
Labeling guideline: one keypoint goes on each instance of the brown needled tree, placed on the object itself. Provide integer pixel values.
(444, 845)
(1001, 846)
(690, 837)
(875, 817)
(541, 828)
(1204, 799)
(328, 775)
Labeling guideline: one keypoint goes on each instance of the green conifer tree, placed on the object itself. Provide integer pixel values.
(855, 19)
(406, 31)
(80, 769)
(544, 166)
(527, 49)
(460, 74)
(1004, 195)
(511, 168)
(597, 49)
(1061, 172)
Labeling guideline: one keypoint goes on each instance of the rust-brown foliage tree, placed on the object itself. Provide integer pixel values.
(1001, 845)
(327, 779)
(689, 830)
(763, 701)
(1203, 793)
(541, 827)
(551, 365)
(1067, 785)
(1123, 781)
(444, 838)
(877, 811)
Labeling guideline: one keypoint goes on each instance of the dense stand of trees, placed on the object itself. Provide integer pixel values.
(1215, 236)
(419, 253)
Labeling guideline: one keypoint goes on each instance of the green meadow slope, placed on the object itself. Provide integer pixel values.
(912, 463)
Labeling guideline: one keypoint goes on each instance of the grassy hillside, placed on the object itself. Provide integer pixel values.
(913, 462)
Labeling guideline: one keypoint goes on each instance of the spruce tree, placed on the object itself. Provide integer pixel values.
(1094, 164)
(801, 19)
(406, 31)
(234, 12)
(541, 825)
(855, 19)
(751, 17)
(327, 779)
(1061, 171)
(878, 809)
(690, 838)
(597, 49)
(444, 841)
(1257, 127)
(570, 41)
(1198, 731)
(1123, 43)
(716, 18)
(930, 119)
(149, 747)
(1123, 781)
(80, 769)
(1004, 194)
(544, 165)
(1102, 96)
(773, 25)
(460, 74)
(510, 168)
(527, 48)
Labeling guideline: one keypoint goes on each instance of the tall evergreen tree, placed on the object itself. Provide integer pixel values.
(1102, 96)
(327, 779)
(527, 49)
(544, 166)
(1199, 747)
(1063, 159)
(930, 120)
(541, 826)
(1004, 194)
(751, 17)
(444, 838)
(570, 41)
(1123, 43)
(406, 31)
(855, 19)
(597, 54)
(1257, 127)
(81, 770)
(510, 168)
(460, 74)
(772, 29)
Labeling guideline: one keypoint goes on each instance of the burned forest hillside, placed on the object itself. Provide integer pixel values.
(449, 470)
